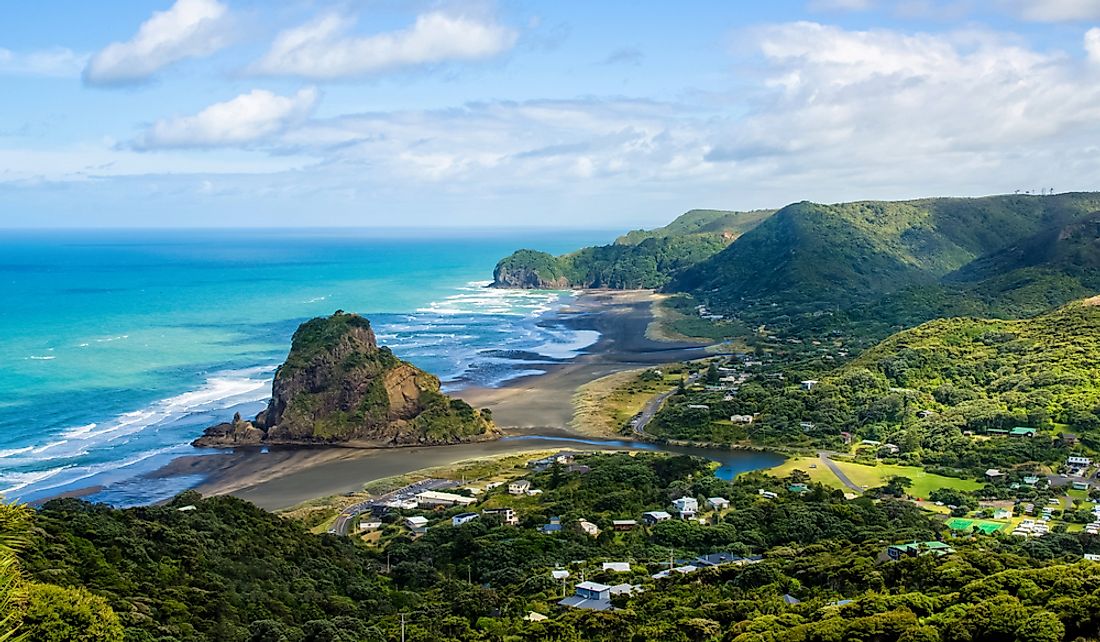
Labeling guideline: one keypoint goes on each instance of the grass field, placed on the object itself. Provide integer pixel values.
(603, 406)
(821, 474)
(923, 482)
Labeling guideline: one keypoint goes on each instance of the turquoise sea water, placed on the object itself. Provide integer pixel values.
(118, 347)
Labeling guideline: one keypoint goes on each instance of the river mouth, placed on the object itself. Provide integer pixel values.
(731, 463)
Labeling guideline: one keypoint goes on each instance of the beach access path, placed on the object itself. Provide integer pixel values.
(844, 479)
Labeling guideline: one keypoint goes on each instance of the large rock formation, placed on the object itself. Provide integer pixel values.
(338, 385)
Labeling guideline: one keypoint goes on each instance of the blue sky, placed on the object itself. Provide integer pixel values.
(579, 114)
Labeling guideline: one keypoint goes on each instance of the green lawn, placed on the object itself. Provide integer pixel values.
(923, 482)
(821, 474)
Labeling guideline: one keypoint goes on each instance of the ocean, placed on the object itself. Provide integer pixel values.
(119, 347)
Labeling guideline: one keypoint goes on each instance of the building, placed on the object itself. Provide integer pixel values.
(1080, 485)
(686, 506)
(417, 523)
(505, 516)
(994, 473)
(807, 426)
(1078, 462)
(436, 498)
(519, 487)
(1021, 431)
(1002, 513)
(798, 488)
(682, 570)
(718, 503)
(766, 494)
(892, 449)
(554, 526)
(589, 595)
(369, 526)
(740, 419)
(617, 567)
(913, 549)
(723, 558)
(588, 528)
(809, 384)
(1092, 557)
(534, 616)
(559, 574)
(463, 518)
(1069, 439)
(624, 524)
(1031, 480)
(654, 516)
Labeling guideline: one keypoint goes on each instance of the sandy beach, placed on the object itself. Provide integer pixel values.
(534, 406)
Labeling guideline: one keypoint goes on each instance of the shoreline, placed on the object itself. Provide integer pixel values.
(537, 406)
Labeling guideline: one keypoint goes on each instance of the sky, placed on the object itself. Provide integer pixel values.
(611, 114)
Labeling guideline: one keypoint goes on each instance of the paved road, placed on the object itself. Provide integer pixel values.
(343, 524)
(824, 456)
(650, 410)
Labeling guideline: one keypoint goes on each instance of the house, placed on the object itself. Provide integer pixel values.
(1069, 439)
(578, 468)
(994, 473)
(369, 526)
(654, 516)
(436, 498)
(617, 567)
(1002, 513)
(463, 518)
(1078, 462)
(505, 516)
(846, 437)
(1031, 480)
(790, 599)
(519, 487)
(1021, 431)
(913, 549)
(718, 503)
(623, 524)
(588, 528)
(924, 414)
(740, 419)
(766, 494)
(417, 523)
(798, 488)
(492, 485)
(1092, 557)
(625, 589)
(807, 426)
(686, 506)
(682, 570)
(554, 526)
(698, 406)
(870, 442)
(1080, 485)
(722, 558)
(533, 616)
(809, 384)
(589, 595)
(892, 449)
(559, 574)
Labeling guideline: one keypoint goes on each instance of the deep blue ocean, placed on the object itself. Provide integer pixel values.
(119, 347)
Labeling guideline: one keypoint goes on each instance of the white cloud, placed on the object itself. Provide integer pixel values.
(1092, 44)
(323, 49)
(244, 120)
(58, 62)
(189, 29)
(1057, 10)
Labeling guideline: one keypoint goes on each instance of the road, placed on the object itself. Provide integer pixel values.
(824, 456)
(343, 524)
(653, 405)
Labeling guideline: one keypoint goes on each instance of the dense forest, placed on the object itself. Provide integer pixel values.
(923, 389)
(221, 569)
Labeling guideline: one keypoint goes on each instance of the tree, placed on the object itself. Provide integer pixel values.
(56, 614)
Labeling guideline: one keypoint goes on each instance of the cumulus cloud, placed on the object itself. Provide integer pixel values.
(323, 48)
(247, 119)
(1092, 44)
(60, 62)
(189, 29)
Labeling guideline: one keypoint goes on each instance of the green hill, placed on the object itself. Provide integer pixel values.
(837, 255)
(639, 259)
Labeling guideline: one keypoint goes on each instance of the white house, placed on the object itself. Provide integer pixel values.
(766, 494)
(994, 473)
(519, 487)
(617, 567)
(686, 506)
(416, 522)
(436, 498)
(740, 419)
(718, 503)
(463, 518)
(809, 384)
(507, 516)
(369, 526)
(1078, 462)
(588, 528)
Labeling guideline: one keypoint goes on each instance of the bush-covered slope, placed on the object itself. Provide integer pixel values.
(639, 259)
(837, 255)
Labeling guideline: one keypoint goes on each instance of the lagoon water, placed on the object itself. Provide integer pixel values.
(118, 347)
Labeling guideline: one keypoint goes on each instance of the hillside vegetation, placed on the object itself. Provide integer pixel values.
(639, 259)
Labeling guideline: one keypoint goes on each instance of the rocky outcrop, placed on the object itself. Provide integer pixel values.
(531, 270)
(337, 385)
